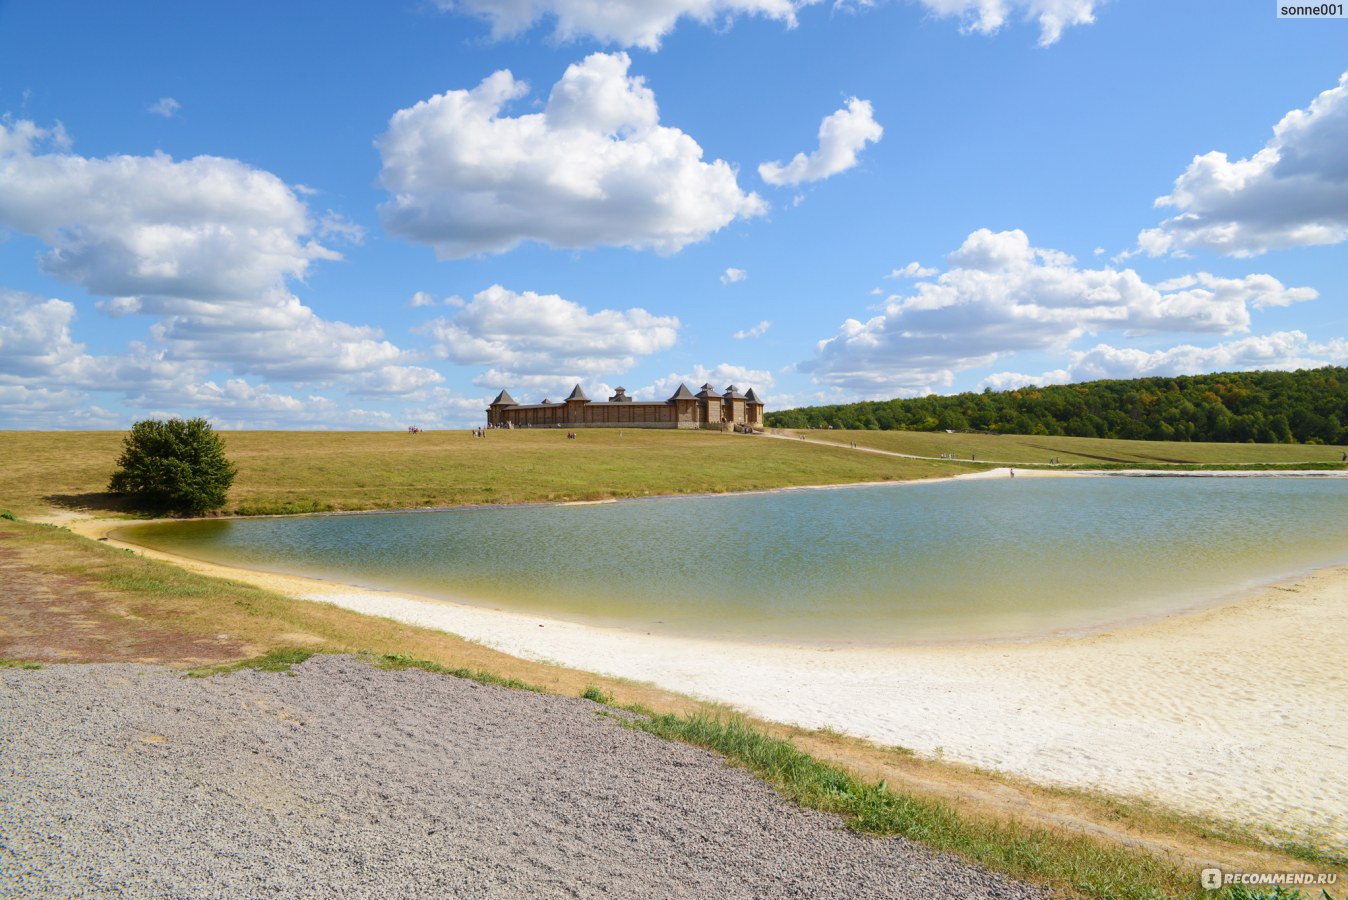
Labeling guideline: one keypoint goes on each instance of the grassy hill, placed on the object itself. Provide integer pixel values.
(281, 472)
(313, 471)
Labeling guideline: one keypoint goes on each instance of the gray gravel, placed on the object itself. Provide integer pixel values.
(344, 780)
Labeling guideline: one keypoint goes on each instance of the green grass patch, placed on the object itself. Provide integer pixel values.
(1074, 864)
(1240, 892)
(1313, 853)
(18, 664)
(280, 660)
(395, 661)
(282, 508)
(597, 694)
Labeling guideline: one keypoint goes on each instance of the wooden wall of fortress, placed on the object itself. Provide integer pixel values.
(706, 409)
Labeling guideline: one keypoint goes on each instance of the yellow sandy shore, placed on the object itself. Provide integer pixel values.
(1237, 711)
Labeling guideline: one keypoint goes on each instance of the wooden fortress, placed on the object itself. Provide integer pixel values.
(730, 411)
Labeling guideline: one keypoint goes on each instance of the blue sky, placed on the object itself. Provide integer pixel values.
(355, 215)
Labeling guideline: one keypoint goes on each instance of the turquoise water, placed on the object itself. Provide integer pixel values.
(963, 560)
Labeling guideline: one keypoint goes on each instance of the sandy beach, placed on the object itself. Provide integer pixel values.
(1234, 711)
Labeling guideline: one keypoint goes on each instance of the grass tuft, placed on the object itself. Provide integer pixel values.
(6, 514)
(595, 693)
(1240, 892)
(394, 661)
(280, 660)
(1073, 864)
(18, 664)
(282, 507)
(1312, 853)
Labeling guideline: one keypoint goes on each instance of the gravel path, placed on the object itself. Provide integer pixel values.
(345, 780)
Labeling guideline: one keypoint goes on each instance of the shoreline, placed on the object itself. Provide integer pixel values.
(996, 470)
(1220, 711)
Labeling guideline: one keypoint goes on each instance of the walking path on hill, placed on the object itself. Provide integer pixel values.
(350, 781)
(1054, 469)
(801, 437)
(858, 447)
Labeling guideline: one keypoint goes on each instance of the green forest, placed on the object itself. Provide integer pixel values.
(1307, 406)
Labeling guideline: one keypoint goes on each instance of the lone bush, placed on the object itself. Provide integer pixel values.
(174, 465)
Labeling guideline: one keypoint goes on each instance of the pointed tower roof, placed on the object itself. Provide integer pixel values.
(578, 394)
(707, 392)
(683, 393)
(751, 397)
(504, 399)
(732, 394)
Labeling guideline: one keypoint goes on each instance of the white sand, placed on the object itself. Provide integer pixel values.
(1237, 711)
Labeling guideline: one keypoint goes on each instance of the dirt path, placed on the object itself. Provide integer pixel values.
(63, 618)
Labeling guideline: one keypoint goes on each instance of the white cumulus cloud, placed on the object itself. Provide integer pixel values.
(594, 168)
(236, 403)
(422, 299)
(35, 335)
(628, 23)
(1292, 193)
(720, 377)
(277, 337)
(1002, 296)
(206, 245)
(1284, 350)
(203, 228)
(757, 331)
(640, 23)
(544, 337)
(913, 270)
(841, 137)
(732, 275)
(393, 381)
(166, 107)
(988, 16)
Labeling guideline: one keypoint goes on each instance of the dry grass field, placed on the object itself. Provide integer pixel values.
(307, 471)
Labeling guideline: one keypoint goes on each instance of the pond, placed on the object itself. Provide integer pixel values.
(940, 561)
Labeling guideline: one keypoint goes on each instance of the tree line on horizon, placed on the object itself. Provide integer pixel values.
(1308, 406)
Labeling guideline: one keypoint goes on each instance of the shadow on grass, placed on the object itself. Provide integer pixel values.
(121, 504)
(101, 501)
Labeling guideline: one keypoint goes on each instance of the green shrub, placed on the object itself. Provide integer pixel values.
(597, 694)
(173, 465)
